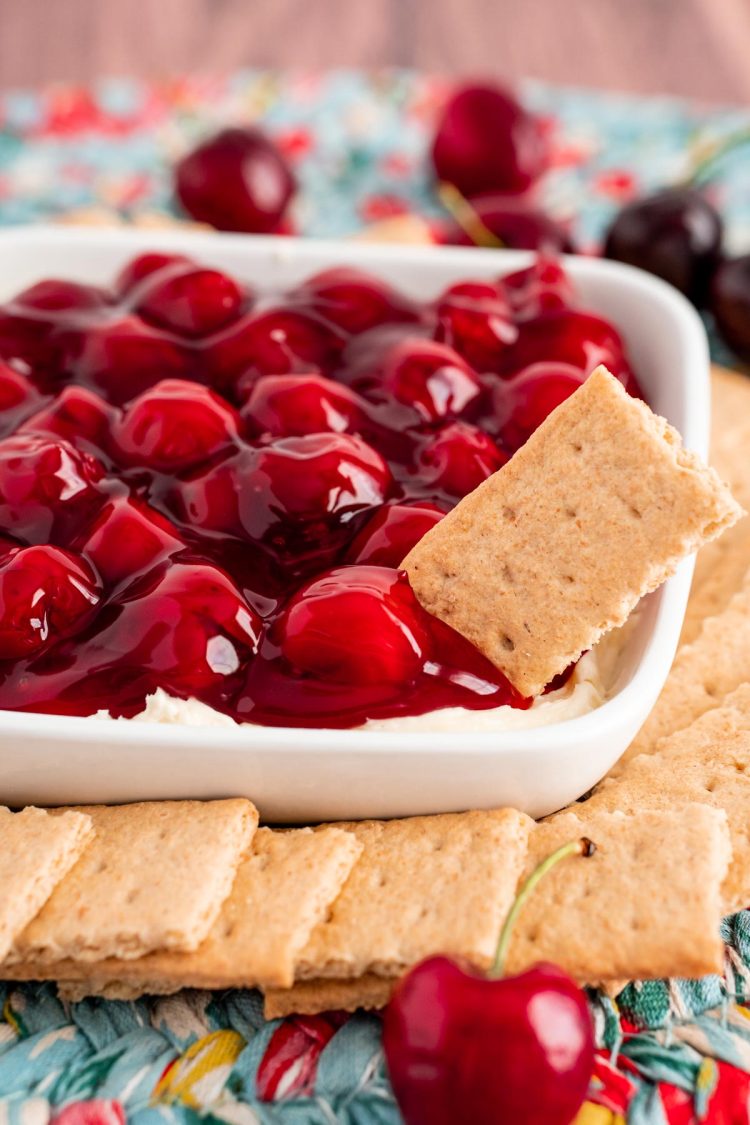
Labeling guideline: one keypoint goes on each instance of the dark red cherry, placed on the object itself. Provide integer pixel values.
(389, 535)
(280, 341)
(45, 486)
(354, 301)
(510, 221)
(458, 458)
(462, 1047)
(730, 303)
(56, 296)
(236, 180)
(293, 405)
(430, 377)
(675, 233)
(26, 342)
(523, 402)
(190, 632)
(475, 319)
(122, 357)
(174, 425)
(355, 625)
(80, 416)
(540, 288)
(580, 339)
(45, 594)
(127, 538)
(487, 142)
(190, 301)
(146, 265)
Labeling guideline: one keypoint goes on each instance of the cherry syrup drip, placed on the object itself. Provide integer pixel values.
(210, 491)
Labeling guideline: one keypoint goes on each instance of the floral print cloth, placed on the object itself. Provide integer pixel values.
(670, 1052)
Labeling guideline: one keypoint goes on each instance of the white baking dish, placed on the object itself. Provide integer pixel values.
(309, 775)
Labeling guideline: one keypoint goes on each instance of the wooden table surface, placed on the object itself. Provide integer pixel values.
(697, 48)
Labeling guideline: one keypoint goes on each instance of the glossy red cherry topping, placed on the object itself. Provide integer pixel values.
(45, 594)
(487, 142)
(236, 180)
(459, 457)
(293, 405)
(474, 317)
(174, 425)
(354, 301)
(387, 538)
(373, 604)
(188, 300)
(237, 477)
(46, 487)
(431, 377)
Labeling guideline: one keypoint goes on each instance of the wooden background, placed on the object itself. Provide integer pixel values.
(690, 47)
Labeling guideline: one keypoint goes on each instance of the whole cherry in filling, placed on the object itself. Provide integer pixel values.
(458, 457)
(389, 535)
(46, 487)
(524, 401)
(431, 377)
(293, 405)
(355, 301)
(45, 594)
(173, 426)
(474, 317)
(189, 300)
(355, 625)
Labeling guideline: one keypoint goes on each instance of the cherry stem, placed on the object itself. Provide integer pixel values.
(714, 153)
(467, 217)
(582, 847)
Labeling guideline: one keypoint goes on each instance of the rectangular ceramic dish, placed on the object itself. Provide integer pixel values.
(308, 775)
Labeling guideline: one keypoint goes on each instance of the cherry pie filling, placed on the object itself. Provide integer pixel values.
(209, 490)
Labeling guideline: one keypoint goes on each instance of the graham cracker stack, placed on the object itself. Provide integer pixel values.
(282, 889)
(154, 877)
(555, 549)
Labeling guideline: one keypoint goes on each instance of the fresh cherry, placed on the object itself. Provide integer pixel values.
(675, 234)
(236, 180)
(730, 303)
(580, 339)
(542, 287)
(490, 1049)
(189, 300)
(45, 594)
(430, 377)
(174, 425)
(46, 486)
(458, 458)
(373, 604)
(389, 535)
(80, 416)
(474, 318)
(123, 356)
(487, 142)
(293, 405)
(354, 301)
(280, 341)
(126, 539)
(492, 220)
(146, 265)
(524, 401)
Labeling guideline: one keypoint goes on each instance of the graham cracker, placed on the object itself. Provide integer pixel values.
(309, 997)
(154, 877)
(555, 549)
(645, 905)
(424, 885)
(708, 762)
(36, 851)
(703, 674)
(281, 891)
(720, 569)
